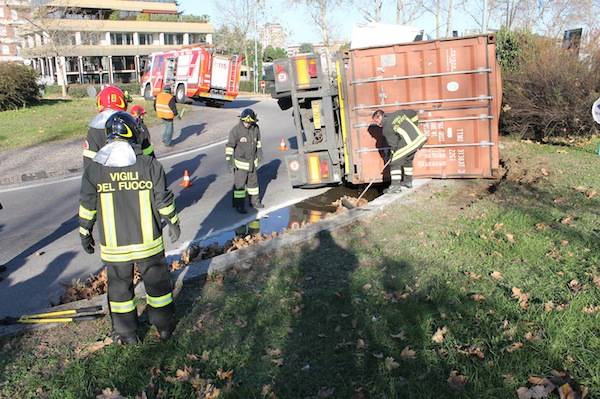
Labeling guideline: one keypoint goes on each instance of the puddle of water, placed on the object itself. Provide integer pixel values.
(308, 211)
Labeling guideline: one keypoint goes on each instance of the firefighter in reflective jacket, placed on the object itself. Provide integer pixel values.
(126, 192)
(166, 109)
(243, 151)
(110, 100)
(138, 112)
(400, 129)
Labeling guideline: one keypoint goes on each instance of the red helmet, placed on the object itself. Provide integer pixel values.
(137, 111)
(111, 97)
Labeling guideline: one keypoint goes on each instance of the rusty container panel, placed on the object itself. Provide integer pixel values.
(455, 87)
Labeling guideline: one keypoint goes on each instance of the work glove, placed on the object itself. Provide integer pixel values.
(174, 232)
(87, 242)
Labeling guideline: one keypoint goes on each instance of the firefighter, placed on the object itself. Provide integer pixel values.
(110, 100)
(138, 112)
(243, 151)
(126, 192)
(404, 138)
(166, 109)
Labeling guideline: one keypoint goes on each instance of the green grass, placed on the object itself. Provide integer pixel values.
(53, 120)
(320, 317)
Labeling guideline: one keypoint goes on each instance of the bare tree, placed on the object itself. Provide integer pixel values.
(407, 11)
(237, 17)
(442, 12)
(370, 9)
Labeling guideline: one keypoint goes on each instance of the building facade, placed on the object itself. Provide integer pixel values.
(105, 41)
(273, 35)
(13, 16)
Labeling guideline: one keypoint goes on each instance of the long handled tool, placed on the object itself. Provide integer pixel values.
(60, 316)
(350, 205)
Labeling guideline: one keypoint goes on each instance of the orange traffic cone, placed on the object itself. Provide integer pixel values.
(282, 145)
(185, 183)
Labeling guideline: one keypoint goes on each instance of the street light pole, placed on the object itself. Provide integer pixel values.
(256, 46)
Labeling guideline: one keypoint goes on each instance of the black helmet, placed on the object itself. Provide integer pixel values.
(248, 115)
(122, 126)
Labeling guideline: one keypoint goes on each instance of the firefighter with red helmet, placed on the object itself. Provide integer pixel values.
(126, 192)
(111, 99)
(244, 153)
(138, 112)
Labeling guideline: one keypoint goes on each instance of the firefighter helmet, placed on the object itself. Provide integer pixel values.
(248, 115)
(122, 126)
(137, 111)
(111, 97)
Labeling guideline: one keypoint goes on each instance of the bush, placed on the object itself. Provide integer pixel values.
(18, 86)
(549, 91)
(246, 85)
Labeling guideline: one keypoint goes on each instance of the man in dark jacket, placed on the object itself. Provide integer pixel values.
(243, 151)
(404, 138)
(127, 193)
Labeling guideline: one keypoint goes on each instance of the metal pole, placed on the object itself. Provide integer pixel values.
(256, 47)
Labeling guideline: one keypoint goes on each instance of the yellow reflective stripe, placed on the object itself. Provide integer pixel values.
(256, 162)
(89, 154)
(228, 150)
(241, 164)
(159, 301)
(407, 150)
(84, 232)
(122, 307)
(167, 210)
(408, 171)
(148, 150)
(126, 249)
(239, 193)
(86, 213)
(404, 135)
(146, 216)
(174, 219)
(131, 256)
(253, 190)
(108, 219)
(258, 144)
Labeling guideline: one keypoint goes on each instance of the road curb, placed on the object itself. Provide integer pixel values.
(222, 263)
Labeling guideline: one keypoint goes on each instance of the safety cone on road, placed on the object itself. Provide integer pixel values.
(185, 183)
(282, 145)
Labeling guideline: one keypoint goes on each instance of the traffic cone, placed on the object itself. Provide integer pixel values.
(185, 183)
(282, 145)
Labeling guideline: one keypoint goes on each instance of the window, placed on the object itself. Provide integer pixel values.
(121, 38)
(5, 49)
(197, 38)
(146, 39)
(173, 38)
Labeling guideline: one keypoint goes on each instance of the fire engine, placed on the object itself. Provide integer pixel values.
(195, 72)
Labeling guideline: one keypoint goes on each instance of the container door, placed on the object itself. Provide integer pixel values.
(220, 73)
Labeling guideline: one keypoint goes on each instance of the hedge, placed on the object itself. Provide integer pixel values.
(18, 86)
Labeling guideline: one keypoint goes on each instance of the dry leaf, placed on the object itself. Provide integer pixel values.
(367, 287)
(566, 392)
(575, 286)
(496, 275)
(530, 336)
(521, 296)
(537, 380)
(183, 375)
(580, 189)
(456, 380)
(408, 353)
(109, 393)
(473, 276)
(523, 393)
(591, 194)
(591, 309)
(191, 356)
(508, 378)
(224, 375)
(596, 280)
(510, 238)
(514, 347)
(212, 392)
(477, 297)
(568, 220)
(438, 337)
(549, 306)
(401, 335)
(277, 362)
(498, 226)
(205, 356)
(391, 364)
(541, 226)
(273, 352)
(96, 346)
(544, 172)
(325, 392)
(471, 350)
(241, 323)
(360, 344)
(266, 390)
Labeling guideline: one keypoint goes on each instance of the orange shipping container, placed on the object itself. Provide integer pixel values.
(455, 87)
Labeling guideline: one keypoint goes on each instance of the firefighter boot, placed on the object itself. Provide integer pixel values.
(255, 202)
(407, 182)
(394, 188)
(240, 205)
(407, 175)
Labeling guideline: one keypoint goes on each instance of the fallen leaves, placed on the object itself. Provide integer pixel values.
(515, 346)
(496, 275)
(325, 392)
(478, 297)
(575, 286)
(400, 336)
(456, 380)
(438, 336)
(472, 276)
(541, 226)
(109, 393)
(522, 297)
(391, 364)
(275, 355)
(471, 350)
(96, 346)
(588, 192)
(360, 344)
(591, 309)
(567, 220)
(510, 238)
(545, 172)
(408, 353)
(542, 387)
(224, 375)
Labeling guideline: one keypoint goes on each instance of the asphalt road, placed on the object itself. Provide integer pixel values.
(38, 225)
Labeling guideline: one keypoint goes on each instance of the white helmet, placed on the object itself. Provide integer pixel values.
(596, 110)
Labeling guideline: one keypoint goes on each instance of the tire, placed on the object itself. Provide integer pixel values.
(180, 95)
(148, 92)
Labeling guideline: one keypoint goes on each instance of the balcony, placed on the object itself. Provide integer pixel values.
(75, 25)
(123, 5)
(96, 50)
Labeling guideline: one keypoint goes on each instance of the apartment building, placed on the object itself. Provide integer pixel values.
(272, 34)
(105, 41)
(13, 15)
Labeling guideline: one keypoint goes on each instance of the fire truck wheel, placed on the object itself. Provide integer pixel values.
(148, 92)
(180, 94)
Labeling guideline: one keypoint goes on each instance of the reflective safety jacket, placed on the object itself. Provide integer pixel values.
(165, 106)
(402, 134)
(244, 146)
(96, 137)
(129, 203)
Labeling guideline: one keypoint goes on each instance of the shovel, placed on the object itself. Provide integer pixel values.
(350, 205)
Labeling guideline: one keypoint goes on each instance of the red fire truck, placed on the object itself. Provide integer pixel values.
(193, 72)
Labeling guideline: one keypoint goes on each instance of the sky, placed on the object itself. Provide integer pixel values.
(298, 23)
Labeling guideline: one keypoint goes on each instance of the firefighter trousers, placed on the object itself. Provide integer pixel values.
(159, 297)
(401, 170)
(245, 182)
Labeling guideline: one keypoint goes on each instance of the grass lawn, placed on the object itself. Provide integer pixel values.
(54, 119)
(464, 290)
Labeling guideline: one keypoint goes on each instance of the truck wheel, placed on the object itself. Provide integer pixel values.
(180, 95)
(148, 92)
